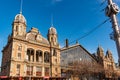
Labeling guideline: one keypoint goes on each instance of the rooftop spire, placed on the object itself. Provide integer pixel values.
(52, 20)
(21, 4)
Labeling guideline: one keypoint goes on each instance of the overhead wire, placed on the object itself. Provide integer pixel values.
(101, 4)
(90, 32)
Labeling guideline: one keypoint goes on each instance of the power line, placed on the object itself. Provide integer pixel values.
(96, 10)
(91, 31)
(103, 1)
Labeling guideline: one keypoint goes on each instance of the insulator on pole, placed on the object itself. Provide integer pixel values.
(112, 36)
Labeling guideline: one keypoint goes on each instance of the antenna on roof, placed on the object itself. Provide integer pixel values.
(21, 4)
(52, 20)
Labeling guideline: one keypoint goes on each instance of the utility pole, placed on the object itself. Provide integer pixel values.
(111, 11)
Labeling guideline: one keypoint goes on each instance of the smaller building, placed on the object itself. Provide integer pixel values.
(77, 63)
(107, 61)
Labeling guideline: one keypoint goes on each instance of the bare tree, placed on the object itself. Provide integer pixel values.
(86, 69)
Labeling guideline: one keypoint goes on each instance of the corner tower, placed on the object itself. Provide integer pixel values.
(54, 52)
(100, 52)
(52, 36)
(109, 55)
(19, 25)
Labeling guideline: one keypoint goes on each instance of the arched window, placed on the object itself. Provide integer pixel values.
(39, 56)
(54, 52)
(30, 54)
(51, 38)
(46, 57)
(16, 28)
(19, 28)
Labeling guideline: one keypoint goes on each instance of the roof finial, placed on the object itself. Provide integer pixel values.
(77, 42)
(52, 20)
(21, 4)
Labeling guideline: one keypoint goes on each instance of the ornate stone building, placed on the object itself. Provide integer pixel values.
(107, 62)
(77, 64)
(29, 53)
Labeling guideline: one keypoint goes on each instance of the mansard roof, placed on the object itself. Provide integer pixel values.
(34, 35)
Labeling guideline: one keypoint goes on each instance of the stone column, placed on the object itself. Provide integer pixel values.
(25, 53)
(43, 67)
(43, 57)
(34, 70)
(34, 55)
(25, 69)
(43, 71)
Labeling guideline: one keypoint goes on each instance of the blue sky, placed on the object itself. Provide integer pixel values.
(71, 18)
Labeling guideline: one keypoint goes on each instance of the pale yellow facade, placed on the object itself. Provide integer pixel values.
(29, 53)
(107, 62)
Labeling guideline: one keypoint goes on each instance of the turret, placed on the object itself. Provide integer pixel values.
(52, 36)
(109, 54)
(100, 52)
(19, 25)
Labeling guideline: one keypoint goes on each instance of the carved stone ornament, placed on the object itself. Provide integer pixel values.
(39, 38)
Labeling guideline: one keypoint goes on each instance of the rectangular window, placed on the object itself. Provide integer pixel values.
(19, 47)
(38, 71)
(18, 70)
(54, 52)
(29, 70)
(19, 56)
(56, 70)
(47, 71)
(56, 61)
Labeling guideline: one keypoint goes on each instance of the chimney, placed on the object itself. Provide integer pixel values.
(66, 43)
